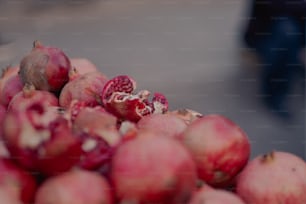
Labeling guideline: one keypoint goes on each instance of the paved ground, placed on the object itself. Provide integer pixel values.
(187, 49)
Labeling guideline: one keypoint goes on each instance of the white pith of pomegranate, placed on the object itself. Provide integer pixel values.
(145, 170)
(118, 98)
(213, 196)
(276, 177)
(86, 88)
(47, 68)
(219, 147)
(17, 180)
(168, 125)
(10, 84)
(29, 95)
(77, 187)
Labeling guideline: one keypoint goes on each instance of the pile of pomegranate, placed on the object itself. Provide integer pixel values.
(70, 134)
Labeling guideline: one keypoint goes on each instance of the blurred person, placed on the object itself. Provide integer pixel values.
(276, 31)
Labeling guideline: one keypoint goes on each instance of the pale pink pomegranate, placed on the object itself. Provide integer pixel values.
(39, 138)
(77, 187)
(17, 180)
(167, 124)
(86, 88)
(118, 98)
(9, 195)
(273, 178)
(219, 147)
(47, 68)
(153, 169)
(213, 196)
(10, 85)
(29, 95)
(83, 65)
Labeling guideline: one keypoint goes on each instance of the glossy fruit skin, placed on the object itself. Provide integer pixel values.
(276, 177)
(47, 68)
(141, 174)
(77, 187)
(219, 147)
(18, 180)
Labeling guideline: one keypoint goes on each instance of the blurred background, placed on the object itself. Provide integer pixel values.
(190, 50)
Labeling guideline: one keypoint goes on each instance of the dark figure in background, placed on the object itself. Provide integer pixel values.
(276, 30)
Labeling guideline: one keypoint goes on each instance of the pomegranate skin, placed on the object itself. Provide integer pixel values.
(276, 177)
(16, 179)
(47, 68)
(140, 174)
(85, 88)
(219, 147)
(10, 85)
(214, 196)
(83, 65)
(77, 187)
(167, 124)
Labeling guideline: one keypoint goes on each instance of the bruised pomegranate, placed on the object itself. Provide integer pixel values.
(118, 98)
(153, 169)
(98, 130)
(167, 124)
(47, 68)
(276, 177)
(83, 65)
(16, 179)
(86, 88)
(77, 187)
(39, 138)
(213, 196)
(220, 148)
(29, 95)
(10, 85)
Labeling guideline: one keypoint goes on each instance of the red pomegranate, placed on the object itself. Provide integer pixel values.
(77, 187)
(153, 169)
(167, 124)
(16, 180)
(10, 85)
(214, 196)
(187, 115)
(47, 68)
(219, 147)
(276, 177)
(86, 88)
(39, 138)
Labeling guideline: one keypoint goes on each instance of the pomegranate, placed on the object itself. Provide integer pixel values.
(39, 138)
(169, 125)
(16, 179)
(77, 187)
(145, 170)
(8, 195)
(214, 196)
(86, 88)
(276, 177)
(10, 85)
(118, 98)
(187, 115)
(29, 96)
(98, 129)
(219, 147)
(83, 65)
(47, 68)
